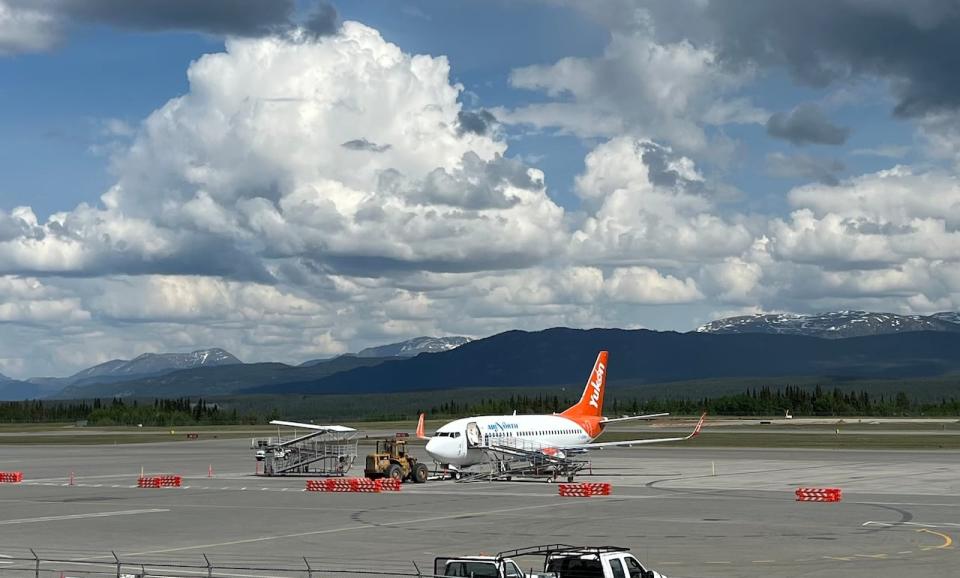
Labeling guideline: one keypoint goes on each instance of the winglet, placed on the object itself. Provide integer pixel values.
(697, 429)
(420, 427)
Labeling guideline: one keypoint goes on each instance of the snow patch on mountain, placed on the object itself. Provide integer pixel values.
(153, 363)
(414, 347)
(834, 325)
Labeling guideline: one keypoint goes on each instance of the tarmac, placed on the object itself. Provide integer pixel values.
(686, 512)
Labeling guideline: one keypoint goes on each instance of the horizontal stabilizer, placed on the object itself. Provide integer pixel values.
(632, 417)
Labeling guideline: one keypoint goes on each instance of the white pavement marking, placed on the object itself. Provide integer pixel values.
(352, 528)
(912, 524)
(81, 516)
(947, 505)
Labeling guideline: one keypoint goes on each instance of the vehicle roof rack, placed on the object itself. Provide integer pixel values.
(549, 549)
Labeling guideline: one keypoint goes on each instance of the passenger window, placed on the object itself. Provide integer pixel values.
(616, 566)
(513, 571)
(634, 567)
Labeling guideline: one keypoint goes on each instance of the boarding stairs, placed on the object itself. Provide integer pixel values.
(511, 458)
(315, 453)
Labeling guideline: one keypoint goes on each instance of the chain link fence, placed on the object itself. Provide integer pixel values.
(75, 565)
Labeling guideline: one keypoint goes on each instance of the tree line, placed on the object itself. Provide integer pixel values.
(798, 401)
(765, 401)
(162, 412)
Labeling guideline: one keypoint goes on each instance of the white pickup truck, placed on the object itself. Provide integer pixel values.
(278, 453)
(559, 561)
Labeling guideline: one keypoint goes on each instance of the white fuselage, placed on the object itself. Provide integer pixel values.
(460, 442)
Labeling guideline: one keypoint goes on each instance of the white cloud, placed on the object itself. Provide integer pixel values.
(666, 91)
(250, 162)
(733, 280)
(653, 208)
(30, 301)
(644, 285)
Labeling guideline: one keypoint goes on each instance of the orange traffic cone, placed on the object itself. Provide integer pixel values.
(210, 471)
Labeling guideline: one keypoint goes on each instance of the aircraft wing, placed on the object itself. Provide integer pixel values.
(333, 428)
(627, 443)
(632, 417)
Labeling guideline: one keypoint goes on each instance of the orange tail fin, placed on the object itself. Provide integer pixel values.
(420, 429)
(591, 402)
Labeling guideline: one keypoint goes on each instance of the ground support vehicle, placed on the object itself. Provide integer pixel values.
(556, 561)
(392, 461)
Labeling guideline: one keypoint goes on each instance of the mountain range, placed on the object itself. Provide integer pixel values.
(564, 356)
(409, 348)
(834, 325)
(172, 374)
(14, 389)
(845, 344)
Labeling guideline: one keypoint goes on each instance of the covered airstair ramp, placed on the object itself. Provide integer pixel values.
(321, 451)
(510, 458)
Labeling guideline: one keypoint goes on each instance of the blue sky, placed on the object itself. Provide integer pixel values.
(317, 188)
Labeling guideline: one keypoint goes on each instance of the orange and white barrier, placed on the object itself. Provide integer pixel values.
(819, 494)
(363, 485)
(585, 490)
(11, 477)
(390, 484)
(164, 481)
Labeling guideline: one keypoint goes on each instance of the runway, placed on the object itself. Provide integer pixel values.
(688, 512)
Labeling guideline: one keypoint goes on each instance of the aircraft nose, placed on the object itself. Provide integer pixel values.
(432, 446)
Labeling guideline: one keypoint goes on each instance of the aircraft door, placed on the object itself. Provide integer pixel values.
(473, 435)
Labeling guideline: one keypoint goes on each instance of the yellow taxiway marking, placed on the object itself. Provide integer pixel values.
(947, 540)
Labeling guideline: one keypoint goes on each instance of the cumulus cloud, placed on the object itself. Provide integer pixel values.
(665, 91)
(258, 161)
(652, 208)
(806, 124)
(882, 233)
(646, 285)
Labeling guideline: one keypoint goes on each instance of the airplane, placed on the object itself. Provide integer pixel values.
(461, 442)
